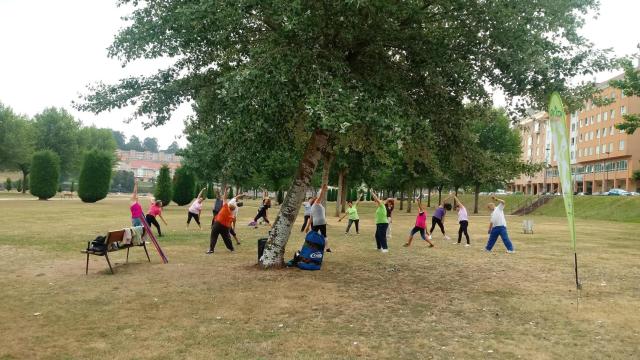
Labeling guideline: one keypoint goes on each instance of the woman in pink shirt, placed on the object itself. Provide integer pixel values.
(137, 215)
(421, 226)
(155, 210)
(195, 209)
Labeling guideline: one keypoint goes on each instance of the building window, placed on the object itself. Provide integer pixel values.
(613, 95)
(611, 131)
(598, 118)
(610, 147)
(613, 114)
(604, 148)
(621, 145)
(622, 95)
(604, 132)
(591, 135)
(573, 127)
(597, 150)
(590, 151)
(605, 115)
(622, 165)
(598, 134)
(580, 123)
(573, 141)
(623, 110)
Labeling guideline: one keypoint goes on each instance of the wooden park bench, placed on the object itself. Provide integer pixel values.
(111, 238)
(67, 194)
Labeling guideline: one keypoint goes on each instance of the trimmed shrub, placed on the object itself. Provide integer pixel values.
(19, 185)
(95, 176)
(45, 173)
(183, 187)
(163, 186)
(8, 184)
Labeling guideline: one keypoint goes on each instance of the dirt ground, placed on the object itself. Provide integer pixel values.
(446, 302)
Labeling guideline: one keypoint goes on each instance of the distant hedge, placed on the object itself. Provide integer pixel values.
(45, 173)
(95, 176)
(163, 186)
(183, 186)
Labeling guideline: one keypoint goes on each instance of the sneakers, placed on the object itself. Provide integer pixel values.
(406, 245)
(357, 233)
(455, 243)
(511, 251)
(209, 252)
(429, 237)
(385, 250)
(467, 245)
(446, 237)
(253, 223)
(328, 250)
(431, 245)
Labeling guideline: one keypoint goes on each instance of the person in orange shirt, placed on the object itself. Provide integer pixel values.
(222, 224)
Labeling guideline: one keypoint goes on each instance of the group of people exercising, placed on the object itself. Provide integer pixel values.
(225, 214)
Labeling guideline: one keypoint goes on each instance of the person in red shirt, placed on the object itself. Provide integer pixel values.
(222, 224)
(155, 210)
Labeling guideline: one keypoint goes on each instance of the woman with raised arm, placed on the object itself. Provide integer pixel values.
(438, 217)
(421, 226)
(222, 224)
(382, 224)
(307, 213)
(389, 204)
(352, 212)
(318, 221)
(196, 208)
(155, 210)
(137, 215)
(262, 210)
(463, 220)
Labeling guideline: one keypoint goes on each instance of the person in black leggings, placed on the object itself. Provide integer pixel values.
(463, 220)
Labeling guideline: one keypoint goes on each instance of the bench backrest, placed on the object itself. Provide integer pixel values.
(114, 236)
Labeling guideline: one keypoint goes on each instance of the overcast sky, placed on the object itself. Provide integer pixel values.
(50, 50)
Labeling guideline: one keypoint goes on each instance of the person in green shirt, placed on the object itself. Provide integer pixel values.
(382, 224)
(352, 212)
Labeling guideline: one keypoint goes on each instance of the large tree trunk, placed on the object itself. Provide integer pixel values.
(25, 171)
(429, 197)
(475, 199)
(327, 159)
(401, 200)
(340, 188)
(410, 199)
(343, 191)
(274, 250)
(439, 194)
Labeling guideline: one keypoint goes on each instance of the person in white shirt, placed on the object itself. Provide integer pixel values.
(232, 229)
(498, 226)
(195, 209)
(463, 220)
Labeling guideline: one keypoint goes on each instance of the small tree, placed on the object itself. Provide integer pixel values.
(19, 185)
(95, 176)
(45, 172)
(73, 186)
(183, 186)
(7, 184)
(163, 186)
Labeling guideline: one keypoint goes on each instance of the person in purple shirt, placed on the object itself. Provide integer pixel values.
(438, 217)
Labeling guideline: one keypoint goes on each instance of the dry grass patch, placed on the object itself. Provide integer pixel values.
(413, 303)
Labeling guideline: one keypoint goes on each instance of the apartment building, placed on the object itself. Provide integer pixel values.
(602, 157)
(146, 165)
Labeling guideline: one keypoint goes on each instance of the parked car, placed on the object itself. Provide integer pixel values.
(618, 192)
(633, 193)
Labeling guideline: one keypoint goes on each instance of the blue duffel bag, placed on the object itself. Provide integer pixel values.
(312, 252)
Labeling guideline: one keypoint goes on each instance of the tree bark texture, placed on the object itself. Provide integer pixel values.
(475, 199)
(429, 197)
(343, 191)
(274, 250)
(340, 188)
(327, 159)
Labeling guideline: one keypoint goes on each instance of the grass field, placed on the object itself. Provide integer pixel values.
(412, 303)
(613, 208)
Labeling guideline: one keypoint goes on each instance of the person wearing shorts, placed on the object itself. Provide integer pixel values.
(420, 226)
(318, 217)
(137, 215)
